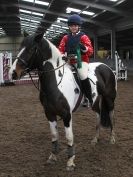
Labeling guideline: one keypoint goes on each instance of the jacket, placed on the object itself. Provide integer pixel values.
(84, 39)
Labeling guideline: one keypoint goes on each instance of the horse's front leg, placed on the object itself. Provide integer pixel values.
(55, 146)
(70, 142)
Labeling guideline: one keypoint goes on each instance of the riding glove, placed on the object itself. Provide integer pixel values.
(82, 47)
(65, 58)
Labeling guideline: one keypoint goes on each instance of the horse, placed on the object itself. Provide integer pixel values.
(60, 93)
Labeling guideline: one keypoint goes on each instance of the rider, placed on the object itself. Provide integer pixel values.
(76, 43)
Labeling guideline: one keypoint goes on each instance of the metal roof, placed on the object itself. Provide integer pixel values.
(33, 15)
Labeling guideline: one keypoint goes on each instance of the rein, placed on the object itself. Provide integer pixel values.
(91, 81)
(27, 70)
(36, 85)
(40, 72)
(53, 69)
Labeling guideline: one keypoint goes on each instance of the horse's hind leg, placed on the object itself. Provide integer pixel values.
(55, 147)
(112, 135)
(98, 122)
(96, 138)
(70, 142)
(110, 103)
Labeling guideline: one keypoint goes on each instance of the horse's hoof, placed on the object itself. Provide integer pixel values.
(70, 168)
(70, 164)
(94, 141)
(52, 159)
(112, 140)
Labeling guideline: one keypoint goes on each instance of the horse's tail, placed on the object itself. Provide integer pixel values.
(105, 113)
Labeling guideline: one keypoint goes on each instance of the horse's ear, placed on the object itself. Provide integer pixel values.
(39, 36)
(25, 33)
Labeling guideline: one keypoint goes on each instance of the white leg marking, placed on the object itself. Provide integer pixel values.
(95, 139)
(112, 135)
(69, 134)
(70, 141)
(54, 130)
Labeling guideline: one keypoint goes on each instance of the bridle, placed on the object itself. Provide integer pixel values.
(28, 68)
(25, 64)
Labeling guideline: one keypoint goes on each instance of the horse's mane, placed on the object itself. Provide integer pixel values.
(55, 51)
(48, 49)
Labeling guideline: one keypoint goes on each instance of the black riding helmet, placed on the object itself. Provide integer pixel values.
(74, 20)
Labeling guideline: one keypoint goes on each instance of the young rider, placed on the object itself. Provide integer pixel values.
(76, 43)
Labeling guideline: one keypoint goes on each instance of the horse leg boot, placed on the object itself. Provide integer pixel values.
(86, 86)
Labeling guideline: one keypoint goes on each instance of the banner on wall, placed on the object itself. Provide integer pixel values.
(5, 64)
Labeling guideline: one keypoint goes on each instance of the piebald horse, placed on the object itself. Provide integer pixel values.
(59, 91)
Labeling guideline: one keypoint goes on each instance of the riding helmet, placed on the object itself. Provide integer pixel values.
(74, 20)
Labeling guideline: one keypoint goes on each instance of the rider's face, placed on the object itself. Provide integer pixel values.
(74, 28)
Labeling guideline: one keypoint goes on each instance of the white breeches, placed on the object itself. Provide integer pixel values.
(83, 71)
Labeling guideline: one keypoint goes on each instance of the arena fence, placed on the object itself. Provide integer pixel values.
(5, 64)
(120, 70)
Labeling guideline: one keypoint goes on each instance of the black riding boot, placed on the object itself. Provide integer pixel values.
(86, 86)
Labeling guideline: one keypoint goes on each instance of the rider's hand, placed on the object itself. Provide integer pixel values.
(64, 58)
(82, 47)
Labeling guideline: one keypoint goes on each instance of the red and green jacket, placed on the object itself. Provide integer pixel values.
(70, 41)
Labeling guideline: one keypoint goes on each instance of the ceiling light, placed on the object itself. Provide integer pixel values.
(37, 14)
(61, 19)
(25, 11)
(35, 21)
(24, 19)
(33, 26)
(50, 30)
(113, 0)
(56, 25)
(28, 17)
(28, 0)
(25, 24)
(65, 27)
(88, 13)
(37, 2)
(42, 2)
(69, 10)
(28, 25)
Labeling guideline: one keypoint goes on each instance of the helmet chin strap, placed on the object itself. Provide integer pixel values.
(76, 32)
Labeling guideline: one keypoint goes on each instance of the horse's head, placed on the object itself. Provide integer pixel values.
(27, 56)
